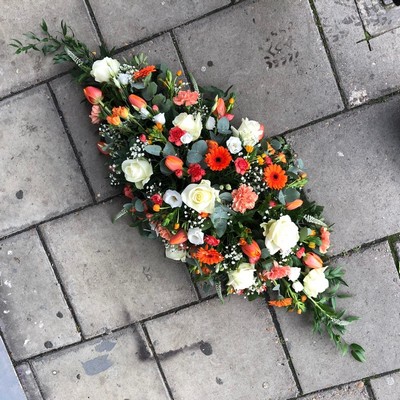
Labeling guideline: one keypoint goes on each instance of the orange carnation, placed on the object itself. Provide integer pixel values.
(275, 177)
(218, 158)
(142, 73)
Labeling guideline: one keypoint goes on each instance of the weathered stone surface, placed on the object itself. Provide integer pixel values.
(10, 387)
(34, 315)
(20, 71)
(69, 96)
(386, 387)
(136, 21)
(352, 161)
(281, 73)
(353, 391)
(28, 382)
(113, 275)
(117, 366)
(222, 351)
(365, 71)
(375, 286)
(36, 158)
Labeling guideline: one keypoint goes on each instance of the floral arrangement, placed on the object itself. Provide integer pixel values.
(220, 195)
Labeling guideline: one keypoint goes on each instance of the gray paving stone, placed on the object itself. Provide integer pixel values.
(364, 72)
(272, 53)
(10, 387)
(36, 158)
(386, 387)
(117, 366)
(352, 162)
(28, 382)
(375, 286)
(20, 71)
(353, 391)
(222, 351)
(69, 96)
(113, 275)
(138, 21)
(34, 315)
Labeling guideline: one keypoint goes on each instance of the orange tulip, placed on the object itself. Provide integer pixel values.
(122, 112)
(311, 260)
(294, 204)
(220, 108)
(251, 250)
(93, 94)
(137, 102)
(179, 237)
(173, 163)
(325, 239)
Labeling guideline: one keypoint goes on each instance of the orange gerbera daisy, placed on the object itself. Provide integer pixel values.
(142, 73)
(275, 177)
(208, 256)
(218, 158)
(281, 303)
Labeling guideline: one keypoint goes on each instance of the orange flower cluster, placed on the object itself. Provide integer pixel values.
(281, 303)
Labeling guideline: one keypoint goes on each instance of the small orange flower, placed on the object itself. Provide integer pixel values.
(142, 73)
(270, 149)
(204, 214)
(113, 120)
(208, 256)
(303, 298)
(122, 112)
(281, 157)
(249, 149)
(311, 245)
(281, 303)
(156, 207)
(211, 144)
(218, 158)
(179, 72)
(275, 177)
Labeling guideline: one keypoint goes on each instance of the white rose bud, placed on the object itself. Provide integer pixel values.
(138, 171)
(201, 197)
(159, 118)
(195, 236)
(175, 253)
(210, 124)
(297, 286)
(234, 145)
(104, 70)
(315, 282)
(281, 235)
(172, 198)
(294, 274)
(243, 277)
(249, 132)
(189, 123)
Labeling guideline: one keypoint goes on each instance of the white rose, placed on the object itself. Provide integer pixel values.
(201, 197)
(315, 282)
(186, 138)
(280, 235)
(210, 124)
(249, 132)
(137, 171)
(172, 198)
(189, 123)
(175, 253)
(195, 236)
(294, 274)
(297, 286)
(234, 145)
(243, 277)
(105, 69)
(159, 118)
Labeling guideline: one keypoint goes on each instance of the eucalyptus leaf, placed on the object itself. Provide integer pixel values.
(139, 205)
(149, 92)
(223, 126)
(193, 157)
(291, 194)
(153, 149)
(226, 196)
(200, 147)
(168, 149)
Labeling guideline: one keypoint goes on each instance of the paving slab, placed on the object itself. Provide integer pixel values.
(352, 162)
(10, 387)
(114, 276)
(69, 96)
(36, 157)
(352, 391)
(139, 21)
(20, 71)
(28, 382)
(117, 366)
(365, 71)
(375, 286)
(34, 315)
(386, 387)
(222, 351)
(281, 72)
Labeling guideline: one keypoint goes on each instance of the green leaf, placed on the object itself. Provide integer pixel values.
(276, 144)
(169, 149)
(265, 253)
(193, 158)
(291, 194)
(200, 147)
(149, 92)
(120, 215)
(357, 352)
(223, 126)
(159, 99)
(163, 168)
(43, 25)
(226, 196)
(281, 198)
(303, 233)
(153, 149)
(139, 205)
